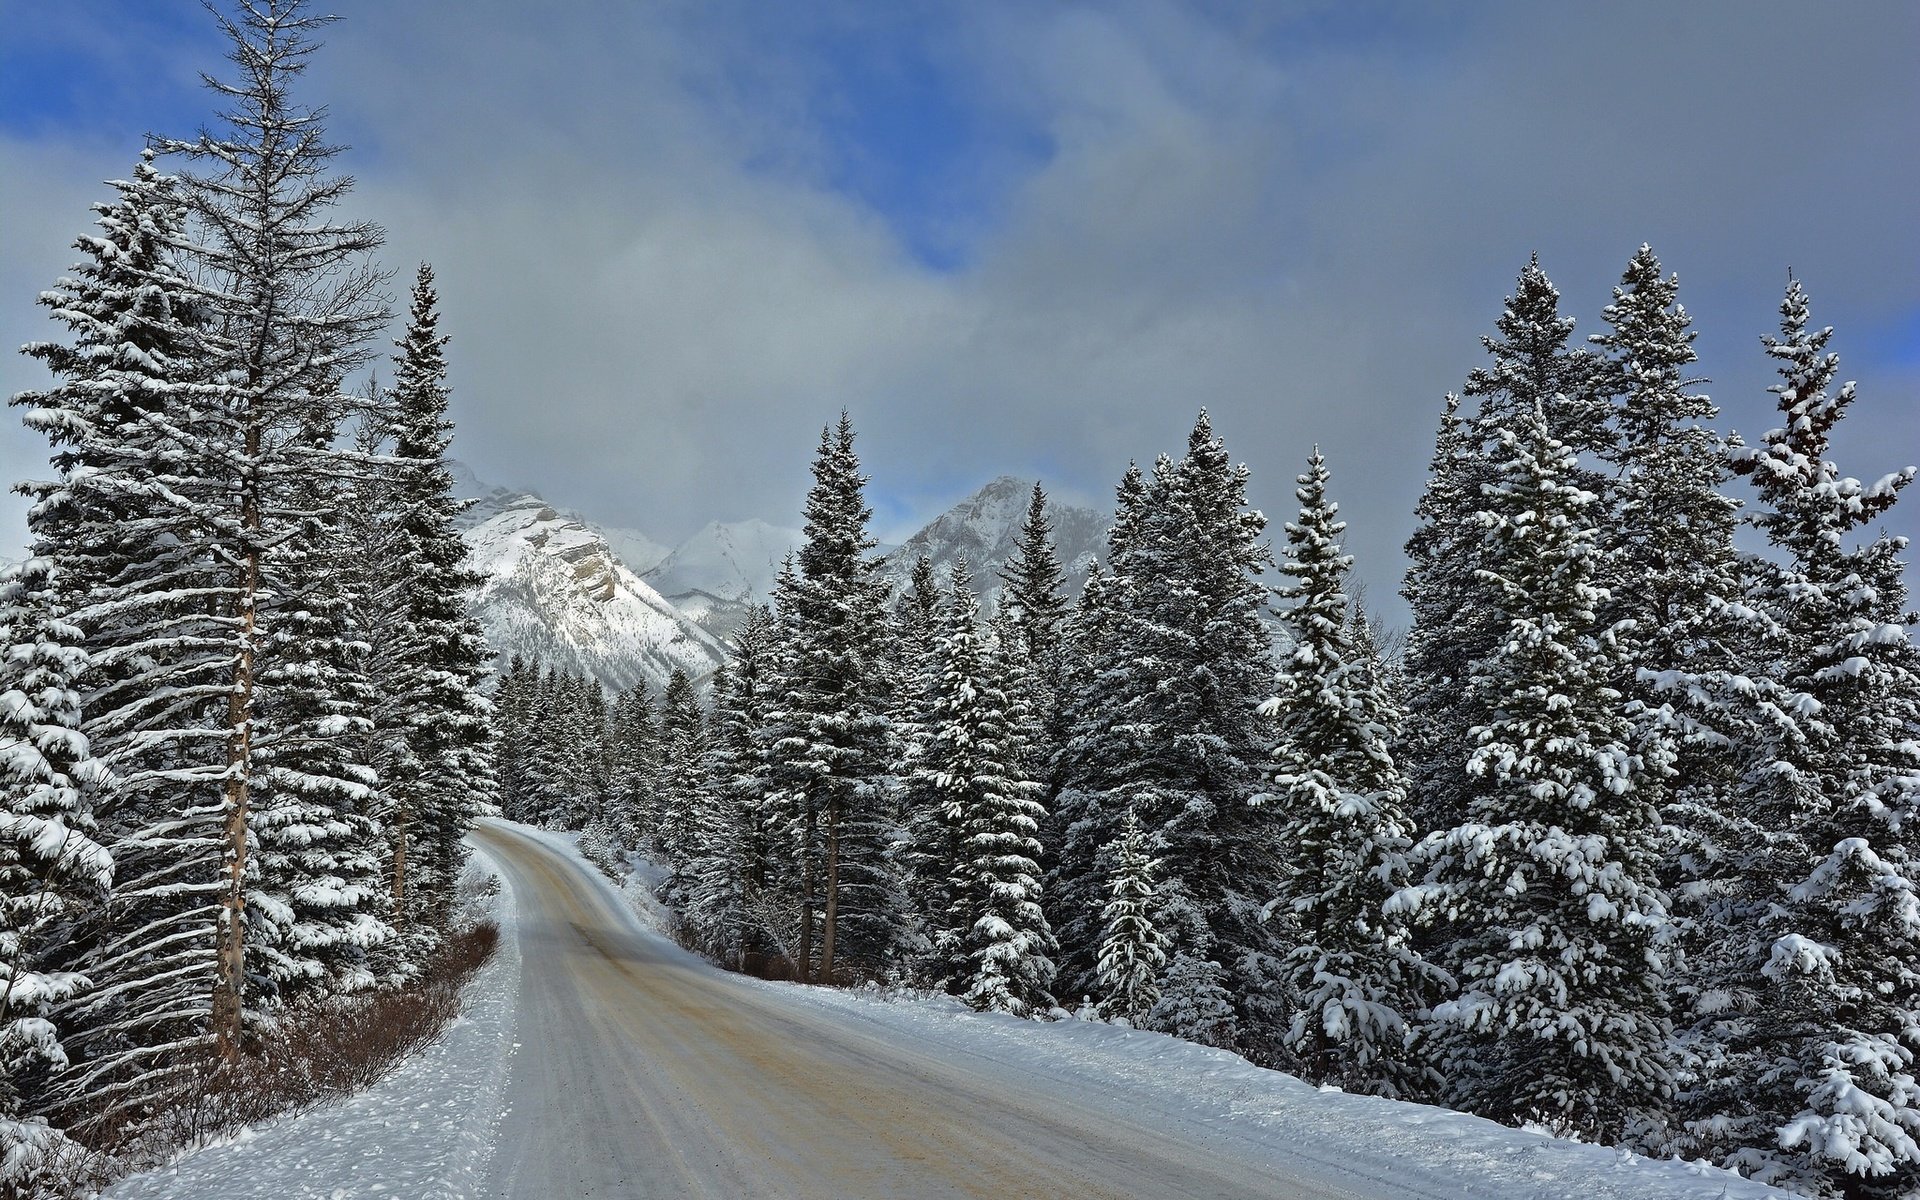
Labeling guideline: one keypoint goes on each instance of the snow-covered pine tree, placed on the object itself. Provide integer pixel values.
(1818, 1088)
(1444, 596)
(50, 862)
(1558, 925)
(1668, 542)
(1167, 723)
(1675, 601)
(995, 935)
(1092, 758)
(120, 415)
(1358, 986)
(1454, 605)
(318, 852)
(924, 855)
(126, 424)
(436, 657)
(633, 756)
(512, 708)
(1217, 846)
(1033, 580)
(681, 778)
(291, 290)
(830, 745)
(1133, 950)
(549, 762)
(727, 882)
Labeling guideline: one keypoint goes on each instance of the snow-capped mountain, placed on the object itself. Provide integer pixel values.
(986, 527)
(736, 560)
(557, 590)
(715, 575)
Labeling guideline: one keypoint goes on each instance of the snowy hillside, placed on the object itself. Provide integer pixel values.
(714, 576)
(984, 527)
(734, 561)
(557, 591)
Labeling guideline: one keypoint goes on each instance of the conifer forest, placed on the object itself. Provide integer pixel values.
(1617, 841)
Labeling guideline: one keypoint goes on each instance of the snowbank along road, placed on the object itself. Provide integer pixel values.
(645, 1072)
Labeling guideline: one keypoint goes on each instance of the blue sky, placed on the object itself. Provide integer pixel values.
(1034, 238)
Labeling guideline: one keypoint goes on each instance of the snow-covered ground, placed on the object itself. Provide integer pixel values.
(425, 1132)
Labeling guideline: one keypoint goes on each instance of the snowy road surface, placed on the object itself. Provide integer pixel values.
(645, 1072)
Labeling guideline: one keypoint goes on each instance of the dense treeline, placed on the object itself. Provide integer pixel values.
(1622, 844)
(243, 735)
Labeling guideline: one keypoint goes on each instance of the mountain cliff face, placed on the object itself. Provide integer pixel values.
(556, 590)
(986, 527)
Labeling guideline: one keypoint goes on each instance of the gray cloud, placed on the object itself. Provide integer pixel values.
(657, 297)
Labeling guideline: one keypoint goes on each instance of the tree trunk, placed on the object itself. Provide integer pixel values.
(803, 968)
(804, 959)
(830, 919)
(230, 959)
(399, 867)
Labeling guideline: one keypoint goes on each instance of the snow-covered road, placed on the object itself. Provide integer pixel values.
(645, 1072)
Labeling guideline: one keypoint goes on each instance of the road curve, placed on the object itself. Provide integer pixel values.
(645, 1072)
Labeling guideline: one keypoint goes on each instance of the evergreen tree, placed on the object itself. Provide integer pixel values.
(1443, 593)
(1455, 604)
(1093, 756)
(1559, 927)
(1668, 543)
(295, 302)
(439, 774)
(633, 759)
(682, 771)
(1358, 984)
(727, 883)
(1033, 581)
(551, 768)
(512, 705)
(1817, 1088)
(926, 859)
(125, 419)
(999, 937)
(830, 740)
(50, 862)
(1133, 950)
(1167, 724)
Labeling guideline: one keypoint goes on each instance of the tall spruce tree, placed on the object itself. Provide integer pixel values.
(1167, 724)
(1033, 581)
(1558, 926)
(133, 459)
(1817, 1087)
(1092, 758)
(290, 289)
(830, 736)
(1358, 985)
(439, 771)
(1443, 594)
(681, 775)
(1454, 604)
(727, 883)
(995, 933)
